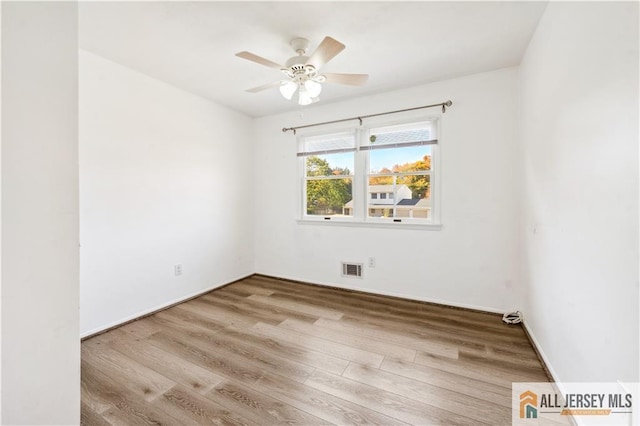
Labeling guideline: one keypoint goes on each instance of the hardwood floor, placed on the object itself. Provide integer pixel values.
(267, 351)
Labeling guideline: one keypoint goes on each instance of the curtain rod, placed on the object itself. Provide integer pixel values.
(294, 129)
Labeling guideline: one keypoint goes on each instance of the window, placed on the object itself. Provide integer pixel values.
(400, 161)
(371, 175)
(328, 174)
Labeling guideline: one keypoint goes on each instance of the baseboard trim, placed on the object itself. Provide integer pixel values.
(539, 353)
(156, 309)
(459, 306)
(546, 365)
(542, 357)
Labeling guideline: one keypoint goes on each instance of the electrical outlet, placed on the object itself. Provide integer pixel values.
(372, 262)
(177, 269)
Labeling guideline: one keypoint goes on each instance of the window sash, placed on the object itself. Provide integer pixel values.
(334, 216)
(396, 212)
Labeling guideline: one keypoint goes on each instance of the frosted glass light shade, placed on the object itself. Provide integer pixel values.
(303, 97)
(313, 88)
(288, 88)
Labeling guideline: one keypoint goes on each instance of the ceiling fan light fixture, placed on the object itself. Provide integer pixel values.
(313, 88)
(304, 98)
(288, 88)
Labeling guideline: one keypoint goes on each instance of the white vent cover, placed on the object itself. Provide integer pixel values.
(352, 270)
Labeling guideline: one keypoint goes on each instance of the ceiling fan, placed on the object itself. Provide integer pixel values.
(301, 71)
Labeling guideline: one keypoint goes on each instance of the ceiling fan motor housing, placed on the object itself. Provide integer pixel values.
(296, 62)
(297, 69)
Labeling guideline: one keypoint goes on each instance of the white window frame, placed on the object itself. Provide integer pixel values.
(361, 197)
(302, 173)
(433, 173)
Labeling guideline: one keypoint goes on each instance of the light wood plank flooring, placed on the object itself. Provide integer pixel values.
(266, 351)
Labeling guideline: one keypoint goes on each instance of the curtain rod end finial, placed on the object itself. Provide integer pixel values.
(448, 103)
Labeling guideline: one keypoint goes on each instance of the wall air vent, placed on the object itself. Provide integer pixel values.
(352, 270)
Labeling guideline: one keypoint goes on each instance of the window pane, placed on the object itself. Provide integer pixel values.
(393, 135)
(409, 159)
(329, 164)
(330, 197)
(328, 142)
(410, 197)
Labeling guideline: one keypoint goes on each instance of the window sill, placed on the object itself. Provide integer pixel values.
(389, 225)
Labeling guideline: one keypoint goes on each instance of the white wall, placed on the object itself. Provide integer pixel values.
(579, 115)
(472, 261)
(40, 346)
(165, 178)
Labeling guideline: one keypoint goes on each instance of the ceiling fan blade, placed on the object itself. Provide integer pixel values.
(326, 51)
(258, 59)
(348, 79)
(264, 87)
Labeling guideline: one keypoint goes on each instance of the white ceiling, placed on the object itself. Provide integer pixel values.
(192, 45)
